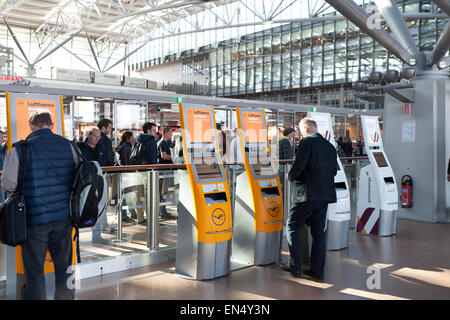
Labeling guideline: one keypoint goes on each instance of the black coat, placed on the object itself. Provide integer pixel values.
(316, 165)
(108, 147)
(124, 151)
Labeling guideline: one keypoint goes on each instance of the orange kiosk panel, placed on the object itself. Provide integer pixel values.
(204, 211)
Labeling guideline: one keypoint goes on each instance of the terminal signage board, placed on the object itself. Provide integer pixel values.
(19, 107)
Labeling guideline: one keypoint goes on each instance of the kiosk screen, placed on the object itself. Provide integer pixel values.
(207, 167)
(261, 165)
(379, 158)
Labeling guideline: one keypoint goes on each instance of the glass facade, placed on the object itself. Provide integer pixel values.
(301, 57)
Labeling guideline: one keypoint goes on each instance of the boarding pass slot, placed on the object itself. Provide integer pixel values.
(340, 185)
(270, 192)
(389, 180)
(217, 197)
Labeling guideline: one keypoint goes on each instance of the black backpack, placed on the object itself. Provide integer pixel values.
(88, 200)
(138, 154)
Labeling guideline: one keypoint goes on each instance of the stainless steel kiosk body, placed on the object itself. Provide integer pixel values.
(204, 212)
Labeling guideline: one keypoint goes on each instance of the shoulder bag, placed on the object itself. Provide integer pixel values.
(13, 223)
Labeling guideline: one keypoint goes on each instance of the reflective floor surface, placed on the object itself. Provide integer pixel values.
(414, 264)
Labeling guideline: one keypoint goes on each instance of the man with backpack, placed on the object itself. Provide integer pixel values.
(144, 152)
(92, 150)
(47, 189)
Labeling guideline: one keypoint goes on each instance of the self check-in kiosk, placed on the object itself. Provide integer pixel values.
(377, 206)
(204, 211)
(338, 213)
(258, 214)
(19, 106)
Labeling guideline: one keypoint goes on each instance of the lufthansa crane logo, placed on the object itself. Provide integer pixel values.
(218, 217)
(274, 209)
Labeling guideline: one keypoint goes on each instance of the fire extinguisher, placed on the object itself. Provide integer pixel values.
(406, 197)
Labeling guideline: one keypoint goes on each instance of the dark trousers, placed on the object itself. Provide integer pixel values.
(315, 212)
(57, 237)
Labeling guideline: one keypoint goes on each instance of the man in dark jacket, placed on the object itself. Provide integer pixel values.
(105, 126)
(51, 162)
(148, 138)
(285, 151)
(448, 171)
(315, 167)
(92, 150)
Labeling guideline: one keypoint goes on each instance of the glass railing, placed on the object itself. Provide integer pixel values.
(142, 209)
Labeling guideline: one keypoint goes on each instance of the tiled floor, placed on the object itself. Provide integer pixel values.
(414, 264)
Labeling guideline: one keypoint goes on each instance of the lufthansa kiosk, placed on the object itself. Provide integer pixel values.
(377, 206)
(18, 108)
(258, 215)
(204, 210)
(338, 213)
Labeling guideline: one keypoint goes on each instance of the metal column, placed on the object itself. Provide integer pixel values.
(153, 210)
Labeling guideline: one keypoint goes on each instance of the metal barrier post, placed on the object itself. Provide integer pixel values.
(153, 210)
(118, 177)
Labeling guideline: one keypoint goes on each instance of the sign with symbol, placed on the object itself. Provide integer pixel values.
(274, 209)
(218, 217)
(407, 109)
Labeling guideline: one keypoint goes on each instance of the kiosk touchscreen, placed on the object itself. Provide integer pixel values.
(338, 214)
(377, 206)
(204, 211)
(258, 215)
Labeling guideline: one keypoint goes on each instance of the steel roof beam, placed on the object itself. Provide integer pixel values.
(442, 46)
(444, 5)
(359, 17)
(394, 18)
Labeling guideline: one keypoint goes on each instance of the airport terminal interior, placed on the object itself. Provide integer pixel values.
(231, 80)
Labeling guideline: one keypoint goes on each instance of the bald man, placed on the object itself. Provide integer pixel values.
(313, 172)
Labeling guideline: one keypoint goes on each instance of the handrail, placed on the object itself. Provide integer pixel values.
(146, 167)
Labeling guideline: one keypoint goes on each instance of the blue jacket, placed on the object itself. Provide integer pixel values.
(48, 177)
(151, 147)
(93, 154)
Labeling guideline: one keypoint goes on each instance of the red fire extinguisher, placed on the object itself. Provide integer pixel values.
(406, 197)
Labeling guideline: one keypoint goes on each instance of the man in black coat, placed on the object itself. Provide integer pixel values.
(314, 169)
(448, 171)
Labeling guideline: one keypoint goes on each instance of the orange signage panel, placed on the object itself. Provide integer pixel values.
(199, 125)
(254, 126)
(25, 107)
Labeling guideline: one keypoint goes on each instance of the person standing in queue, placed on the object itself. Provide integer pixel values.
(314, 169)
(124, 151)
(92, 150)
(105, 126)
(286, 151)
(146, 142)
(164, 157)
(51, 162)
(448, 171)
(3, 152)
